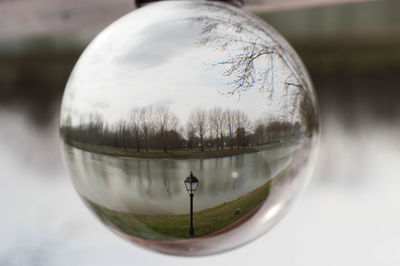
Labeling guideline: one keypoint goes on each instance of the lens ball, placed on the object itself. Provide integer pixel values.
(189, 127)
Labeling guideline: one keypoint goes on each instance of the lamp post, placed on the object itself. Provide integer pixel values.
(191, 184)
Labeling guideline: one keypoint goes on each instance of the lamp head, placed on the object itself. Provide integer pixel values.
(191, 183)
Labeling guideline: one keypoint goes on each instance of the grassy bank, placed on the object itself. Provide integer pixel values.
(208, 221)
(171, 154)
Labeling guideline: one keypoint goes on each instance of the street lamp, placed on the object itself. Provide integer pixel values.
(191, 184)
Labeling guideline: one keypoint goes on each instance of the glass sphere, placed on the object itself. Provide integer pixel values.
(189, 127)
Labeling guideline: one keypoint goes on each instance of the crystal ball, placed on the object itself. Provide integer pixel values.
(189, 127)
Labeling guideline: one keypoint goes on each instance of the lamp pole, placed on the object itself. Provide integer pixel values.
(191, 184)
(191, 230)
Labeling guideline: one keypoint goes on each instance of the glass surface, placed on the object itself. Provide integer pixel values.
(178, 87)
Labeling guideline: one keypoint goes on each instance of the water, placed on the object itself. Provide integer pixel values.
(155, 187)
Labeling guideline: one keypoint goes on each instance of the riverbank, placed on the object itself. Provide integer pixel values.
(172, 154)
(176, 227)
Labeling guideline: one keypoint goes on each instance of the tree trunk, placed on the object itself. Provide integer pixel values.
(137, 142)
(165, 141)
(217, 142)
(201, 142)
(124, 138)
(231, 140)
(147, 142)
(222, 142)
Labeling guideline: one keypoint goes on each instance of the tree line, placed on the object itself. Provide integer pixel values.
(159, 128)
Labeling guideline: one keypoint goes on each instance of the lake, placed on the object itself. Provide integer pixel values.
(156, 187)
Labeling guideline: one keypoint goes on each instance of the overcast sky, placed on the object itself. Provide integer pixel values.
(153, 57)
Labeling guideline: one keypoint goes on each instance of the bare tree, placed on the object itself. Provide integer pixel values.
(308, 115)
(255, 41)
(222, 127)
(191, 134)
(146, 124)
(217, 123)
(66, 128)
(230, 125)
(165, 121)
(198, 120)
(94, 127)
(241, 125)
(123, 132)
(214, 123)
(158, 128)
(259, 132)
(260, 59)
(136, 127)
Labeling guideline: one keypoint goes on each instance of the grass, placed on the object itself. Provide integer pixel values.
(174, 227)
(171, 154)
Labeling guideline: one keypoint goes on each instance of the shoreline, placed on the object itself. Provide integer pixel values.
(173, 154)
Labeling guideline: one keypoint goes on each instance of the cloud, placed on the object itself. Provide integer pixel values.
(157, 44)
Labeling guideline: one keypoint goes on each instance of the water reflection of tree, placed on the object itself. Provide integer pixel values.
(126, 185)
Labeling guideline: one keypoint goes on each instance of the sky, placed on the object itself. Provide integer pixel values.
(153, 57)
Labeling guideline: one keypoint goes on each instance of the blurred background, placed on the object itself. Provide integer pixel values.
(349, 215)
